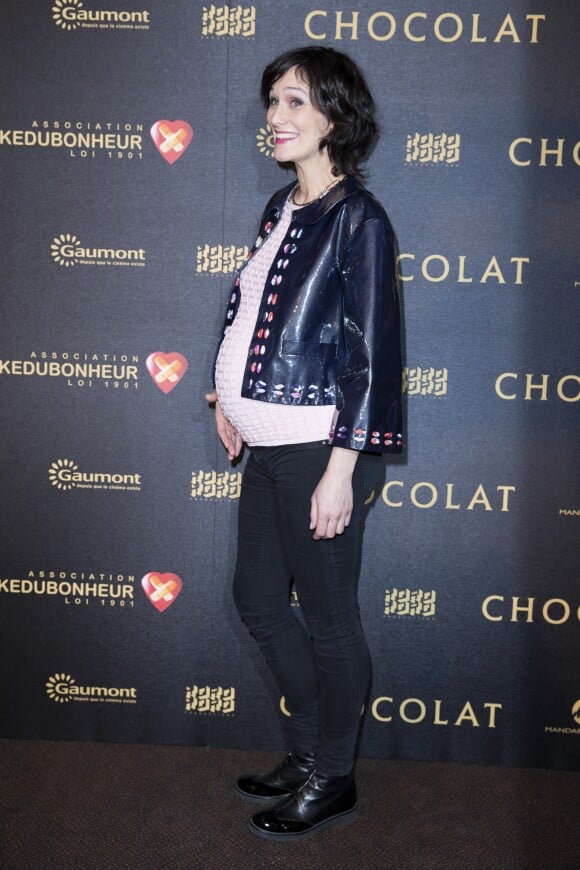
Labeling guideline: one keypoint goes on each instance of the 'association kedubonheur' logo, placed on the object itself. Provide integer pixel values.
(115, 140)
(67, 250)
(63, 688)
(65, 475)
(70, 14)
(75, 588)
(83, 369)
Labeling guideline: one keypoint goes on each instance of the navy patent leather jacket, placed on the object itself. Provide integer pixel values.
(328, 328)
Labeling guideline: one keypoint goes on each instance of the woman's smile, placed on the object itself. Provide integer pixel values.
(281, 136)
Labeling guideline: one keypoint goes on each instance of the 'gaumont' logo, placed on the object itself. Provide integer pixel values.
(265, 141)
(63, 688)
(67, 250)
(171, 138)
(61, 473)
(166, 369)
(64, 474)
(161, 589)
(70, 14)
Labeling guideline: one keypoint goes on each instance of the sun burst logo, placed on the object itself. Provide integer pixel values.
(55, 473)
(54, 692)
(62, 249)
(265, 141)
(59, 13)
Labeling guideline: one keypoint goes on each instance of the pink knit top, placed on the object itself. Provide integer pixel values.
(262, 423)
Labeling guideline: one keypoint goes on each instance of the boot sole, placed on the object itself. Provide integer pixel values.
(333, 822)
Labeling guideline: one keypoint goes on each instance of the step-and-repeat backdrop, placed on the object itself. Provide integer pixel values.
(136, 161)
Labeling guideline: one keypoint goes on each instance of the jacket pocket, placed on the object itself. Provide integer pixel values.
(307, 348)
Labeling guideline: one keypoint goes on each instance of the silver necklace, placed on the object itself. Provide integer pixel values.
(316, 198)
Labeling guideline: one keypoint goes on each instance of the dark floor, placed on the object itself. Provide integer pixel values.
(107, 806)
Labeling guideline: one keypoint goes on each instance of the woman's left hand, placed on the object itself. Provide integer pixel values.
(332, 501)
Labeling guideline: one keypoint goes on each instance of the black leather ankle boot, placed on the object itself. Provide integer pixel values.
(321, 802)
(280, 782)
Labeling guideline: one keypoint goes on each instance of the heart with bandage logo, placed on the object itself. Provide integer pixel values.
(161, 589)
(166, 369)
(171, 138)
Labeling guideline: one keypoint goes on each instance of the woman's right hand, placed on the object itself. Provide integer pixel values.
(228, 434)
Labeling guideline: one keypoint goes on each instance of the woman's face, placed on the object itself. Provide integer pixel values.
(298, 126)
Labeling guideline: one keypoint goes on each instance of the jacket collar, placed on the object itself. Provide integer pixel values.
(310, 214)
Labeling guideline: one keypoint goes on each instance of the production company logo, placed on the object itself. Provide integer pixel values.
(161, 590)
(569, 512)
(567, 729)
(65, 475)
(410, 603)
(220, 259)
(433, 149)
(216, 485)
(425, 381)
(63, 688)
(265, 141)
(67, 250)
(171, 138)
(228, 20)
(210, 700)
(71, 14)
(166, 369)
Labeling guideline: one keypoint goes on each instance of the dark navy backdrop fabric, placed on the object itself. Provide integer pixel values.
(118, 252)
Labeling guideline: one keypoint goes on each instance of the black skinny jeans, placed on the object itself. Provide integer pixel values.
(323, 672)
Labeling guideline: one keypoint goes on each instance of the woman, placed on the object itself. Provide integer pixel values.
(308, 374)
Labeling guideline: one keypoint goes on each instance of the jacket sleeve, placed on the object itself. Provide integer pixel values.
(370, 381)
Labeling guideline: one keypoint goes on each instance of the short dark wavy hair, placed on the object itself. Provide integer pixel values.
(338, 89)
